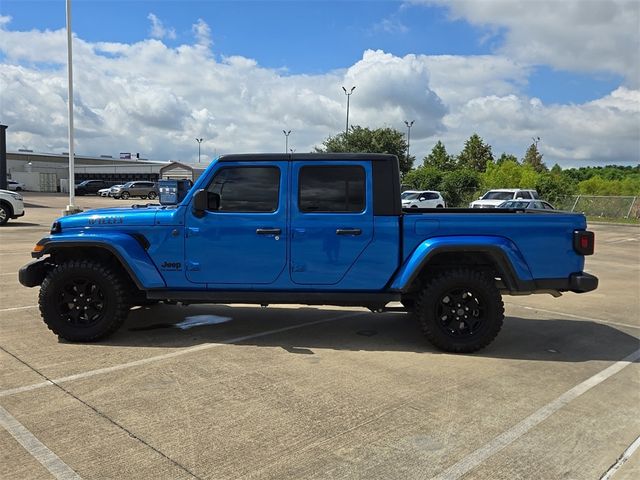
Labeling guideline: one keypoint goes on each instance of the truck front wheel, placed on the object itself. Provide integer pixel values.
(83, 300)
(460, 311)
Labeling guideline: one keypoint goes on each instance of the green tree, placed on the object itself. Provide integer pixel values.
(362, 139)
(424, 178)
(460, 186)
(506, 157)
(554, 188)
(533, 157)
(476, 154)
(556, 169)
(439, 158)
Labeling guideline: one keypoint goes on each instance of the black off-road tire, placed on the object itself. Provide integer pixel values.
(83, 300)
(460, 311)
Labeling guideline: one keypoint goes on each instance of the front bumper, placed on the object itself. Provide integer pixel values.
(33, 273)
(18, 215)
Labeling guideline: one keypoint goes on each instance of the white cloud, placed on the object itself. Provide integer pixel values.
(158, 30)
(150, 98)
(575, 35)
(202, 32)
(391, 25)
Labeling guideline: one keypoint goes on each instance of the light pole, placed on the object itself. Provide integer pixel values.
(199, 140)
(71, 208)
(409, 125)
(348, 94)
(286, 140)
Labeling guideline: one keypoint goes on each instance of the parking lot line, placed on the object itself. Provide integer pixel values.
(623, 458)
(506, 438)
(13, 309)
(157, 358)
(36, 448)
(570, 315)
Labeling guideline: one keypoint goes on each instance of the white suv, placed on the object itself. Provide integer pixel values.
(493, 198)
(11, 206)
(422, 199)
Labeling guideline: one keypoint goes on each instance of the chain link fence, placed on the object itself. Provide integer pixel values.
(602, 206)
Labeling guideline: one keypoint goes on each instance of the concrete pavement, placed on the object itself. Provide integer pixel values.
(298, 392)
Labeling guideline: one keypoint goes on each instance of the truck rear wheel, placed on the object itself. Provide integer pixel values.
(83, 300)
(461, 311)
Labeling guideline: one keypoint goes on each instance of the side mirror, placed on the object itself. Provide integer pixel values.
(213, 201)
(422, 199)
(200, 202)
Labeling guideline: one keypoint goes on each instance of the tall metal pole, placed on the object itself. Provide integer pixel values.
(199, 140)
(71, 208)
(348, 94)
(409, 125)
(3, 157)
(286, 140)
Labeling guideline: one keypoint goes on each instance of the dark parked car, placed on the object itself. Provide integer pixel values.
(527, 204)
(90, 187)
(142, 189)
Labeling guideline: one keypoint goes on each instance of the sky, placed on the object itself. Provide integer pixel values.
(152, 76)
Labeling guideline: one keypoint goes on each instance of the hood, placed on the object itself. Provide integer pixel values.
(110, 217)
(491, 203)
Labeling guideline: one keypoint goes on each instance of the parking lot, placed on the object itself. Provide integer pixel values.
(327, 392)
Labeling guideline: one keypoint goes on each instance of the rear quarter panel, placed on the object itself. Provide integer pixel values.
(544, 240)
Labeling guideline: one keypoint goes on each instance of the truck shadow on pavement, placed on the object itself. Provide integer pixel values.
(556, 340)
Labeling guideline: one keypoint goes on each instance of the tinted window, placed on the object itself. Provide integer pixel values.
(331, 189)
(492, 195)
(430, 196)
(247, 189)
(535, 195)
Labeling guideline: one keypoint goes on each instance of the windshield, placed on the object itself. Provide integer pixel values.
(128, 184)
(410, 196)
(498, 196)
(515, 204)
(405, 195)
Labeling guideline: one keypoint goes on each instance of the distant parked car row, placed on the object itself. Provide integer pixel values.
(15, 186)
(513, 198)
(139, 188)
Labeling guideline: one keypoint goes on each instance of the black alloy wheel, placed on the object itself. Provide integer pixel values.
(81, 302)
(461, 310)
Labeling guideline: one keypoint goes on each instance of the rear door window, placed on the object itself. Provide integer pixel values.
(335, 189)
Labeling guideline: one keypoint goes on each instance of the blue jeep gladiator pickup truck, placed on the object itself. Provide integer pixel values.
(315, 229)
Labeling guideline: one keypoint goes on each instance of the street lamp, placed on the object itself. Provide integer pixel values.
(199, 140)
(71, 208)
(409, 125)
(286, 140)
(348, 94)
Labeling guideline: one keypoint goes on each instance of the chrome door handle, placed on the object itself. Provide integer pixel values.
(348, 231)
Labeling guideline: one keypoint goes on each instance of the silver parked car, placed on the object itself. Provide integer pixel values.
(140, 188)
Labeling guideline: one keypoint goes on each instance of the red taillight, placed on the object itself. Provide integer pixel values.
(584, 242)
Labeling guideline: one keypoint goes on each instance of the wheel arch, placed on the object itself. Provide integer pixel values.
(497, 255)
(128, 255)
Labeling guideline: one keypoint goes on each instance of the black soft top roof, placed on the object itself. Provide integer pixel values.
(271, 157)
